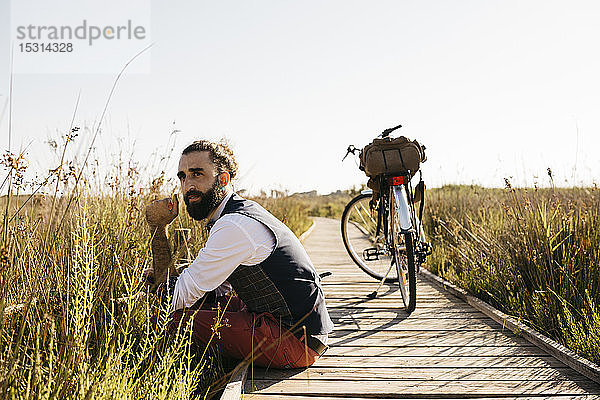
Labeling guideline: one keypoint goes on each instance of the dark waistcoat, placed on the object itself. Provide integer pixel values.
(285, 284)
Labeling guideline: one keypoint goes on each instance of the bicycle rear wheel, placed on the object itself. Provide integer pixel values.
(404, 257)
(367, 250)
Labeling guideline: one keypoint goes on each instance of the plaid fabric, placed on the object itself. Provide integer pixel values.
(259, 293)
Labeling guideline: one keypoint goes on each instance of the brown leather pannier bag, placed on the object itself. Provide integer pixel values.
(392, 156)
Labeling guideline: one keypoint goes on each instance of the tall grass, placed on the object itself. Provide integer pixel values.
(533, 253)
(287, 209)
(296, 210)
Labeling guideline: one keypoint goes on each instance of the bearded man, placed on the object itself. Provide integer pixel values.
(278, 316)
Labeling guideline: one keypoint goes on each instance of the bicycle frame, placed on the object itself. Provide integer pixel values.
(403, 208)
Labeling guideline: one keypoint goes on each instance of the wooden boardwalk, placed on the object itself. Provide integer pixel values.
(445, 349)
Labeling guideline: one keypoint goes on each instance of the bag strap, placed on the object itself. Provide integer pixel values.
(380, 207)
(421, 186)
(401, 159)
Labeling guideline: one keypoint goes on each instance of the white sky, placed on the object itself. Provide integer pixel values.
(494, 89)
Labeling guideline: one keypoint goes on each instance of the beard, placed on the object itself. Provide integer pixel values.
(210, 200)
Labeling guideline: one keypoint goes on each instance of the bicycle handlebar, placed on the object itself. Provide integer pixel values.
(350, 149)
(387, 131)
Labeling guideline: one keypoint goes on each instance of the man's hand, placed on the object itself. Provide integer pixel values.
(161, 213)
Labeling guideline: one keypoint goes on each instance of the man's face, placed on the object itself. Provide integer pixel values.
(200, 185)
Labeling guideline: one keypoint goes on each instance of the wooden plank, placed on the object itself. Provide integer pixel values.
(370, 340)
(418, 387)
(426, 350)
(345, 322)
(439, 338)
(278, 396)
(391, 301)
(340, 276)
(384, 290)
(450, 312)
(365, 290)
(381, 313)
(357, 309)
(363, 295)
(400, 315)
(394, 326)
(425, 290)
(395, 305)
(398, 328)
(382, 293)
(374, 362)
(530, 374)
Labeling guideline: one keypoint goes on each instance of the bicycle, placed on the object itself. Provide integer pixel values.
(381, 230)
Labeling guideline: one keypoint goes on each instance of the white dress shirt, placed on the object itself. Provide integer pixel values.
(233, 240)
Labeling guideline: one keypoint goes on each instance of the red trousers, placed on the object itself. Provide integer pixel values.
(240, 334)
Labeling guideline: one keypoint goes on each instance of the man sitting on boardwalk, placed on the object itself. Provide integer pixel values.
(279, 316)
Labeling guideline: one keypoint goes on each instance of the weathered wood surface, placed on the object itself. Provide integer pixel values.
(569, 357)
(257, 396)
(445, 349)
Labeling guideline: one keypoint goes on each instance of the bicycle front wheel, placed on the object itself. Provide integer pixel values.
(359, 234)
(404, 257)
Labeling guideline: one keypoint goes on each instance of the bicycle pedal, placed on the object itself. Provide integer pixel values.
(371, 254)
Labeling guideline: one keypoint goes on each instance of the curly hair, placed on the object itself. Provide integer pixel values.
(220, 154)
